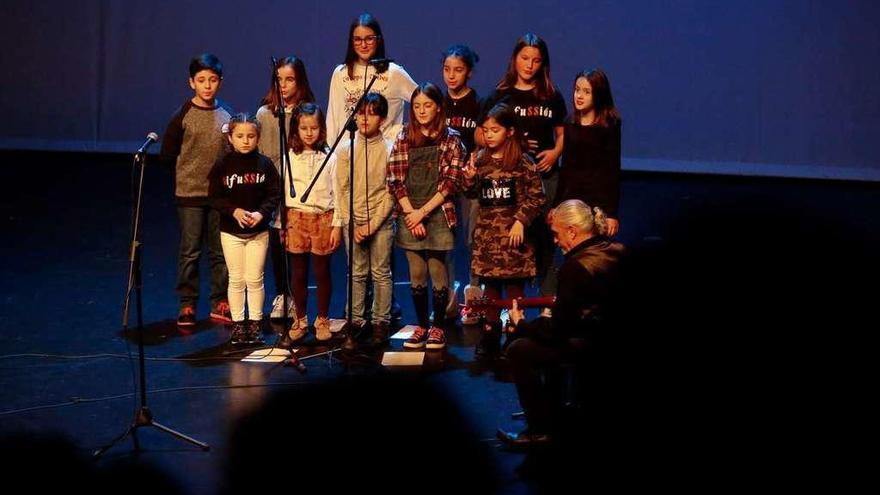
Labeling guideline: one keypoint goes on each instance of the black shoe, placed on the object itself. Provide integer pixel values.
(396, 312)
(490, 341)
(380, 335)
(284, 341)
(239, 333)
(524, 440)
(254, 332)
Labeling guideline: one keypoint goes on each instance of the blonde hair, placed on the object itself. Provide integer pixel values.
(578, 214)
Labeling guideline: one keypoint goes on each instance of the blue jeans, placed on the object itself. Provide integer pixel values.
(372, 258)
(198, 224)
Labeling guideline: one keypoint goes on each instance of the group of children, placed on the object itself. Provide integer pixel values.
(491, 167)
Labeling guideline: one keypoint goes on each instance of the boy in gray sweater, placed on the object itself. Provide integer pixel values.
(194, 141)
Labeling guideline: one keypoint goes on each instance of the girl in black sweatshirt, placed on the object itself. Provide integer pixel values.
(245, 189)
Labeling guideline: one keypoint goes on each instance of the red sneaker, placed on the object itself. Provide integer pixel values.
(220, 312)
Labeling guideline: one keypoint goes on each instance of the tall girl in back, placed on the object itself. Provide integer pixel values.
(349, 79)
(539, 109)
(591, 160)
(290, 73)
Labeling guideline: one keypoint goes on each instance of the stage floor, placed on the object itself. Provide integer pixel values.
(64, 357)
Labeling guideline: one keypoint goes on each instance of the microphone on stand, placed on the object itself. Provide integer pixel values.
(381, 64)
(151, 138)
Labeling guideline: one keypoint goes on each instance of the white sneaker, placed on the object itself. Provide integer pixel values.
(278, 308)
(471, 292)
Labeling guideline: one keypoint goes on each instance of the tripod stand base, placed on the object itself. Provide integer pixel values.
(145, 418)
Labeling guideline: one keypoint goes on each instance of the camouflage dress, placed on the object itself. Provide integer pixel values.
(504, 197)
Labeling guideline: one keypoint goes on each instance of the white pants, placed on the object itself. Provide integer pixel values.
(245, 259)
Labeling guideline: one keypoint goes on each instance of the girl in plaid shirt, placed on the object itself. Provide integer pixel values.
(424, 173)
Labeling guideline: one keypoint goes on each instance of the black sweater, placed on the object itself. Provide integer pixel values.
(587, 281)
(591, 166)
(249, 182)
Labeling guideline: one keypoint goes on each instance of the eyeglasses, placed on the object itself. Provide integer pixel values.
(366, 40)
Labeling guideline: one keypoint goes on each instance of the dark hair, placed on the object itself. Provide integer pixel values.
(603, 102)
(464, 52)
(365, 20)
(543, 84)
(377, 103)
(242, 118)
(512, 149)
(205, 61)
(305, 109)
(303, 88)
(435, 128)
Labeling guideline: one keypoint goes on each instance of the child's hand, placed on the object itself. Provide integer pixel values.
(419, 231)
(335, 238)
(362, 233)
(613, 226)
(242, 217)
(515, 237)
(470, 168)
(414, 218)
(255, 218)
(532, 144)
(515, 313)
(546, 159)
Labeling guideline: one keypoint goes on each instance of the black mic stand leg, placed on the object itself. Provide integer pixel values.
(143, 417)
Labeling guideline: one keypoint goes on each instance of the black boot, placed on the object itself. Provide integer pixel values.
(420, 302)
(380, 334)
(440, 301)
(490, 340)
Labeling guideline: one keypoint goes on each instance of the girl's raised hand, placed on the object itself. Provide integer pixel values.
(613, 226)
(515, 237)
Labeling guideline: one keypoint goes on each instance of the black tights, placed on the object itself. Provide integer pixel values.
(300, 278)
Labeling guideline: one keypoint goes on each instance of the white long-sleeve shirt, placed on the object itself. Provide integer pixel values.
(303, 168)
(394, 84)
(372, 201)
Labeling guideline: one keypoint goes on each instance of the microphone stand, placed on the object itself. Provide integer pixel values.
(281, 114)
(349, 346)
(143, 416)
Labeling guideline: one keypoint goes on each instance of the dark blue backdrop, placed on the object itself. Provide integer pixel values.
(757, 87)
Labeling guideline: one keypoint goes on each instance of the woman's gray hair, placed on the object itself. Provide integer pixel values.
(579, 214)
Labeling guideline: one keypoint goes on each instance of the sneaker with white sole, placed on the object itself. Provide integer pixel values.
(418, 339)
(436, 338)
(471, 292)
(278, 308)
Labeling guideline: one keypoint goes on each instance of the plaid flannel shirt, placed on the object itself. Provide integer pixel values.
(452, 154)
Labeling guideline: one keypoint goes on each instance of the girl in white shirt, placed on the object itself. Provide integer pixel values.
(314, 228)
(347, 84)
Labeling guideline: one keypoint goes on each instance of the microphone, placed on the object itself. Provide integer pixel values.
(151, 138)
(294, 362)
(381, 64)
